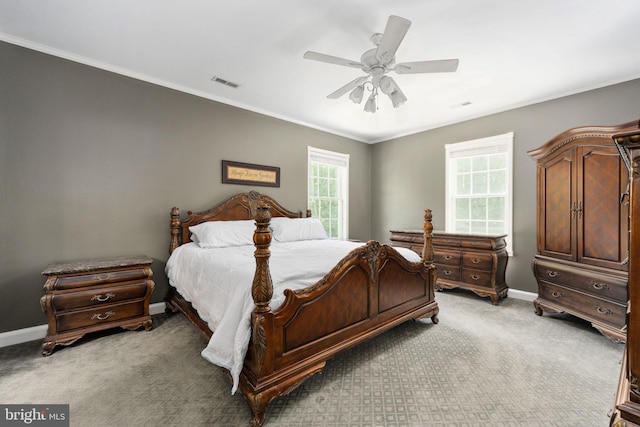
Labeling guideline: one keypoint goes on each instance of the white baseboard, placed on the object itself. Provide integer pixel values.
(158, 308)
(523, 295)
(23, 335)
(33, 333)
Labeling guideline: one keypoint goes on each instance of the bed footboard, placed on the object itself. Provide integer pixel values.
(370, 291)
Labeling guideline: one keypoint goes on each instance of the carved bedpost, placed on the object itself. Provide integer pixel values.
(175, 229)
(262, 288)
(308, 213)
(427, 226)
(261, 291)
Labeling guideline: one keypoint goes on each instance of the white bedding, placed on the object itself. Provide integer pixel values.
(217, 282)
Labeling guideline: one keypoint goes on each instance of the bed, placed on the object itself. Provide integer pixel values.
(371, 289)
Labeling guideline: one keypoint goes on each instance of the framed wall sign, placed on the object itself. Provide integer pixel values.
(250, 174)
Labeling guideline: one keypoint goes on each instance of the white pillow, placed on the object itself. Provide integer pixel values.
(222, 234)
(296, 229)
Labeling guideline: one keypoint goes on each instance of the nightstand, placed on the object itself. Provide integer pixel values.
(94, 295)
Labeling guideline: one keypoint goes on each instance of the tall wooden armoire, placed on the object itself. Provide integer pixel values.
(627, 410)
(582, 228)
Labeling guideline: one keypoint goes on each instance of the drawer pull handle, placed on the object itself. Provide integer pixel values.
(103, 317)
(602, 310)
(552, 273)
(475, 260)
(448, 257)
(475, 277)
(556, 294)
(447, 272)
(101, 298)
(599, 286)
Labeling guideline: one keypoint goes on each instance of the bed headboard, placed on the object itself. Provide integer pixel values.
(242, 206)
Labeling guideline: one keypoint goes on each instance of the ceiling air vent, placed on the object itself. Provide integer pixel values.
(461, 105)
(225, 82)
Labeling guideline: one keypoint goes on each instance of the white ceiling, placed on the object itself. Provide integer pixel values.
(512, 53)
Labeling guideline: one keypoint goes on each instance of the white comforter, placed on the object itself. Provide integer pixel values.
(218, 281)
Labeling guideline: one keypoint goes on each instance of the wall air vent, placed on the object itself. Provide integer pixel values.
(225, 82)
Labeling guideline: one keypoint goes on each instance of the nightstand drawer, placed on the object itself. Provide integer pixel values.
(448, 272)
(446, 257)
(97, 315)
(99, 278)
(107, 295)
(477, 261)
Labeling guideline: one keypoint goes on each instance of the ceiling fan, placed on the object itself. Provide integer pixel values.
(379, 61)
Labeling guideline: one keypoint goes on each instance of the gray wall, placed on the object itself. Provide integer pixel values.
(91, 163)
(410, 171)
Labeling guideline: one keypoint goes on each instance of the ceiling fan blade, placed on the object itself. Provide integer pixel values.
(346, 88)
(438, 66)
(393, 34)
(331, 59)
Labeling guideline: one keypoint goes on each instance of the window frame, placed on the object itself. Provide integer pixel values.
(331, 158)
(479, 147)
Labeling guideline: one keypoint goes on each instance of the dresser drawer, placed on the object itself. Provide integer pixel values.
(97, 315)
(475, 277)
(599, 285)
(452, 242)
(408, 236)
(92, 297)
(605, 311)
(477, 243)
(100, 278)
(447, 257)
(477, 260)
(448, 272)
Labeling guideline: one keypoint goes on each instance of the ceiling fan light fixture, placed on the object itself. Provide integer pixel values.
(370, 106)
(387, 85)
(379, 61)
(397, 98)
(356, 94)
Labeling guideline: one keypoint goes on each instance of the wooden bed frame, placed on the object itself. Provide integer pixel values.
(371, 290)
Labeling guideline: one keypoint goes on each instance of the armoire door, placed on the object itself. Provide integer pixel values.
(556, 200)
(627, 410)
(633, 314)
(601, 215)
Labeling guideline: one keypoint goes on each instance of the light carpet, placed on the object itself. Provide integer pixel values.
(482, 365)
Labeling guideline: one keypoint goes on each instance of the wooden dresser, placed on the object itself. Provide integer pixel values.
(627, 408)
(473, 262)
(582, 228)
(93, 295)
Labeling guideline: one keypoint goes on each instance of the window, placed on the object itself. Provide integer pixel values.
(328, 190)
(479, 186)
